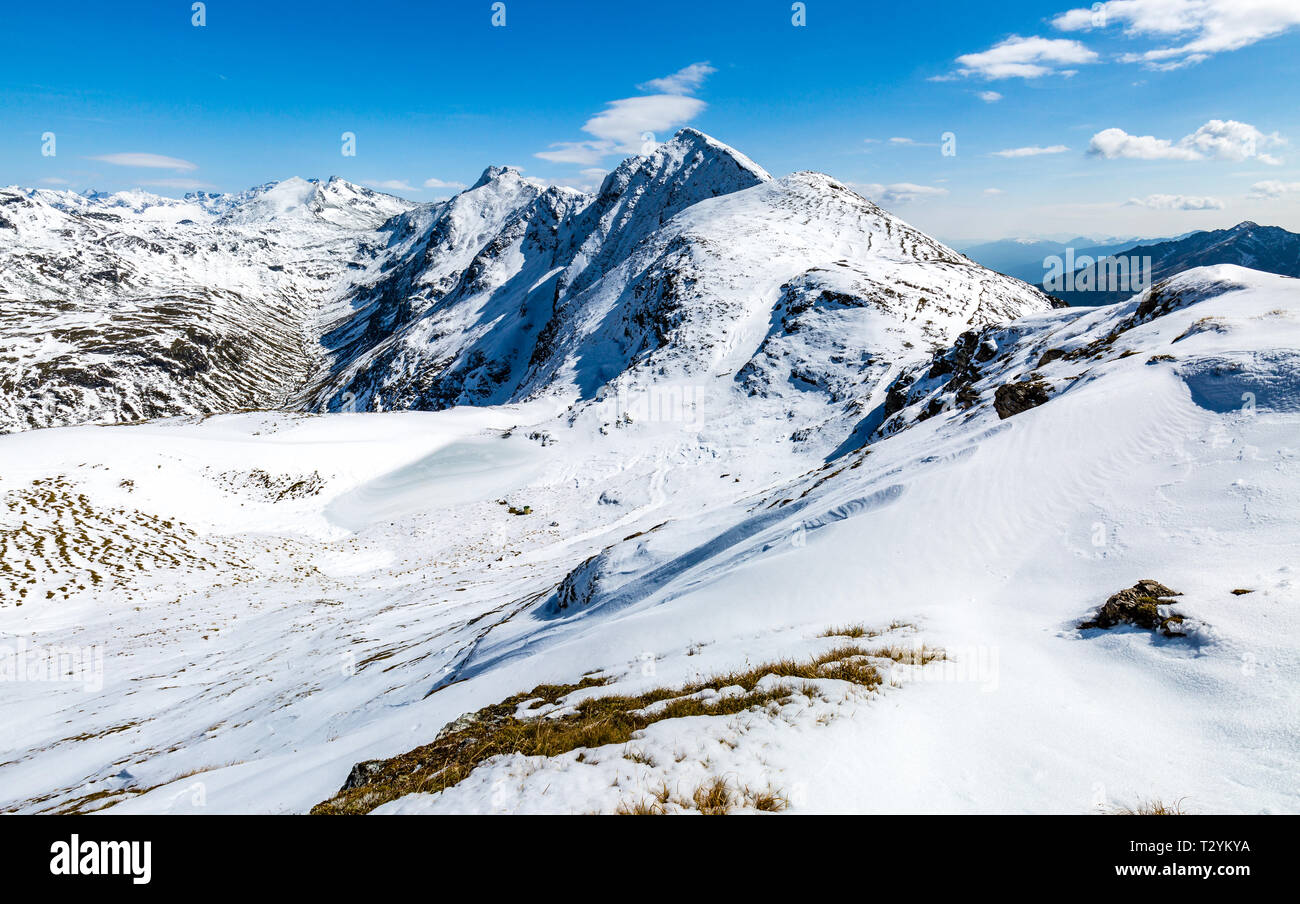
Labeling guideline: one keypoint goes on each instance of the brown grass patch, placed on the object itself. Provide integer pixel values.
(595, 722)
(1153, 807)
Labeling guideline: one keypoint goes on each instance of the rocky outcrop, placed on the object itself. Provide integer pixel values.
(1144, 605)
(1014, 398)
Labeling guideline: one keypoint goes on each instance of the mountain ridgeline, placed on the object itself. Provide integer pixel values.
(691, 261)
(1114, 275)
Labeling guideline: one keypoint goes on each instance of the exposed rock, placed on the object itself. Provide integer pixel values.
(361, 774)
(1051, 355)
(579, 585)
(1013, 398)
(1144, 605)
(460, 723)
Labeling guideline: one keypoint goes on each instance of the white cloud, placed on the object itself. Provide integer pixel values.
(992, 191)
(1114, 143)
(1272, 189)
(900, 141)
(897, 192)
(625, 121)
(1176, 202)
(55, 180)
(622, 125)
(683, 81)
(1206, 27)
(390, 185)
(1216, 140)
(1232, 140)
(1031, 151)
(439, 183)
(1018, 57)
(153, 161)
(990, 97)
(583, 153)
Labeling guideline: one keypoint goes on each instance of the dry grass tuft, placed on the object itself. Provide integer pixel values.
(859, 630)
(594, 722)
(1153, 807)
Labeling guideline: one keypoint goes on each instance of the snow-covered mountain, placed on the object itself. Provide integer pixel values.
(130, 306)
(251, 605)
(1024, 258)
(761, 500)
(1270, 249)
(332, 297)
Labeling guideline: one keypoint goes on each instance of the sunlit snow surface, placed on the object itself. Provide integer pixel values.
(318, 576)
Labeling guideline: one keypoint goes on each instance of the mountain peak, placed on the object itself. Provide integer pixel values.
(493, 173)
(689, 142)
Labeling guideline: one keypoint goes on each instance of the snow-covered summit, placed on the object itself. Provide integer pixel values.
(508, 290)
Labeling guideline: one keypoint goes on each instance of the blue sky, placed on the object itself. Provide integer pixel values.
(1141, 117)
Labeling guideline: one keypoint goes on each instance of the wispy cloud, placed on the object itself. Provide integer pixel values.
(583, 153)
(1175, 202)
(151, 161)
(624, 122)
(439, 183)
(1033, 57)
(1031, 151)
(1204, 27)
(626, 125)
(1216, 140)
(683, 81)
(896, 192)
(389, 184)
(990, 97)
(903, 142)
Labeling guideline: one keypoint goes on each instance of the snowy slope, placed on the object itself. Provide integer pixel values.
(281, 592)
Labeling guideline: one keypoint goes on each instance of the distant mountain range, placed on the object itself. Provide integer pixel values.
(1109, 273)
(1269, 249)
(1023, 258)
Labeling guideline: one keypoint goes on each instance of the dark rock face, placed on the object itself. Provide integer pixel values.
(1140, 605)
(1013, 398)
(580, 585)
(362, 774)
